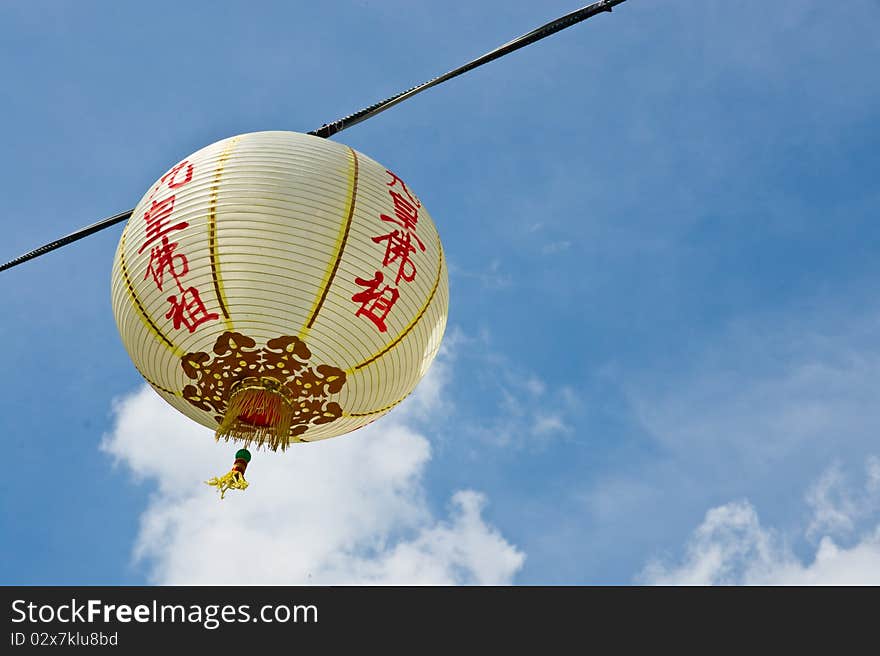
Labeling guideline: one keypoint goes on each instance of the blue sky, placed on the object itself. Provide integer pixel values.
(662, 230)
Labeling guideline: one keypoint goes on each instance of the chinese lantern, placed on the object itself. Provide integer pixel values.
(278, 287)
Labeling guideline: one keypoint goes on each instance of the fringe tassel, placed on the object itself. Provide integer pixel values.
(257, 416)
(233, 480)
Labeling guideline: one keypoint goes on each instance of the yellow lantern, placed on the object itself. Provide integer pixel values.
(279, 287)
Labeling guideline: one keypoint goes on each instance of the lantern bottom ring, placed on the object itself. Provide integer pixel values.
(260, 411)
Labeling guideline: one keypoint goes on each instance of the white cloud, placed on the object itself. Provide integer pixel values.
(769, 393)
(732, 547)
(873, 471)
(347, 510)
(491, 277)
(553, 424)
(555, 247)
(536, 386)
(838, 508)
(527, 407)
(754, 413)
(833, 508)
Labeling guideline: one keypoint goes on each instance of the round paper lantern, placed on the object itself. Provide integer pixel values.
(278, 287)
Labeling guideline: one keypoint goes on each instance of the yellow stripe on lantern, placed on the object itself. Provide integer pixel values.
(412, 324)
(341, 240)
(212, 231)
(142, 313)
(375, 412)
(159, 387)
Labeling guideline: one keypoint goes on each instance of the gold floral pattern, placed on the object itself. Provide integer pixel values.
(282, 366)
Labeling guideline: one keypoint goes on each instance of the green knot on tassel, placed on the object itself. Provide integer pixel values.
(234, 478)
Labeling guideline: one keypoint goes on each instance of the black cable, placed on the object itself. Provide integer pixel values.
(329, 129)
(69, 239)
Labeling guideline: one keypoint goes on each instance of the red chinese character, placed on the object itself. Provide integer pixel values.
(163, 260)
(189, 310)
(375, 303)
(395, 180)
(174, 183)
(154, 190)
(157, 221)
(398, 247)
(406, 213)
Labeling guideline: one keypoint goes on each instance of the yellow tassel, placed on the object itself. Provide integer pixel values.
(233, 480)
(270, 405)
